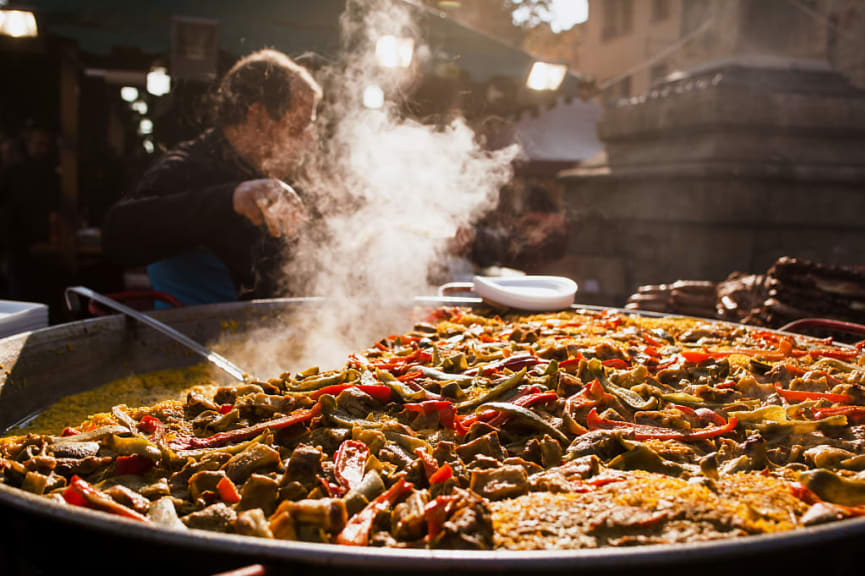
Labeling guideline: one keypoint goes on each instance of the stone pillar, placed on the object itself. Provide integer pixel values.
(726, 168)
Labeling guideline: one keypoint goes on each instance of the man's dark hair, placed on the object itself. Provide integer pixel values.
(266, 77)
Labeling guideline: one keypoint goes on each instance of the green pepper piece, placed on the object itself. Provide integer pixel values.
(529, 416)
(510, 382)
(632, 399)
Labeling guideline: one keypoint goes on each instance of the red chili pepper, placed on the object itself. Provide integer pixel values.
(802, 395)
(616, 363)
(150, 425)
(643, 432)
(437, 512)
(379, 392)
(446, 410)
(227, 491)
(68, 431)
(80, 493)
(134, 464)
(226, 408)
(356, 531)
(223, 438)
(441, 475)
(413, 375)
(350, 463)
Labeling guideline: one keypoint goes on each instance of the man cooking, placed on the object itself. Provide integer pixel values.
(210, 218)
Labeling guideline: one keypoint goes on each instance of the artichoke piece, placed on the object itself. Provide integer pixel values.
(833, 488)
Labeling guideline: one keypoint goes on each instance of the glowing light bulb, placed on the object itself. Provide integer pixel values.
(129, 94)
(158, 81)
(394, 51)
(546, 76)
(18, 24)
(373, 97)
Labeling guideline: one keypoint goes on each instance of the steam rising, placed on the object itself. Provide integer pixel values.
(391, 192)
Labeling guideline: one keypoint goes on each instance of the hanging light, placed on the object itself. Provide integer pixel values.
(139, 106)
(546, 76)
(158, 81)
(148, 146)
(394, 51)
(373, 97)
(18, 24)
(129, 94)
(145, 127)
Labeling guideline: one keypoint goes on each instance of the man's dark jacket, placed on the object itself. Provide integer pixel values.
(184, 203)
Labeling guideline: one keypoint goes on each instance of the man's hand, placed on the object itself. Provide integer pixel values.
(270, 202)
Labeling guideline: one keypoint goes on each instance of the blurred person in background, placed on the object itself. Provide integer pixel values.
(30, 198)
(211, 217)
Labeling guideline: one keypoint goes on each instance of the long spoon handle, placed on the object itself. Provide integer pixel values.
(220, 361)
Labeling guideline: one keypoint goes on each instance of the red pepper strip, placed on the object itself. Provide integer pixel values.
(616, 363)
(685, 410)
(837, 354)
(663, 365)
(643, 432)
(80, 493)
(651, 340)
(462, 425)
(804, 494)
(413, 375)
(358, 361)
(227, 491)
(226, 408)
(726, 385)
(441, 475)
(525, 402)
(429, 464)
(447, 411)
(331, 490)
(403, 338)
(381, 346)
(223, 438)
(379, 392)
(436, 513)
(695, 357)
(855, 414)
(802, 395)
(603, 481)
(69, 432)
(515, 362)
(651, 351)
(350, 463)
(149, 425)
(356, 531)
(575, 361)
(134, 465)
(416, 356)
